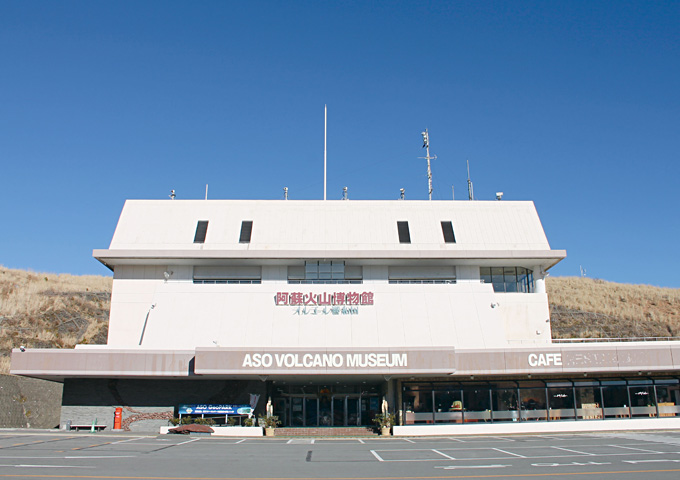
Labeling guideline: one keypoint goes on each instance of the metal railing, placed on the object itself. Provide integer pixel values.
(620, 339)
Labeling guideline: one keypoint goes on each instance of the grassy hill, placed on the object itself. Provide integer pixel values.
(58, 311)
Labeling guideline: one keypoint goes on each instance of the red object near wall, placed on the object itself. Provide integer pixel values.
(117, 419)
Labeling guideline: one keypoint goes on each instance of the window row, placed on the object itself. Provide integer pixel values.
(202, 231)
(525, 401)
(404, 232)
(247, 229)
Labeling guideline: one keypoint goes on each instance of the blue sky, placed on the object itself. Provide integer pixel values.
(574, 105)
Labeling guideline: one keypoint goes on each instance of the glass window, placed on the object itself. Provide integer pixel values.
(449, 406)
(508, 279)
(477, 404)
(533, 404)
(642, 401)
(418, 407)
(505, 405)
(588, 401)
(615, 400)
(561, 403)
(668, 398)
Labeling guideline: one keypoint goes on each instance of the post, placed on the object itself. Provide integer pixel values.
(325, 129)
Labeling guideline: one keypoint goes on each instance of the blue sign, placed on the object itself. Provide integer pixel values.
(215, 409)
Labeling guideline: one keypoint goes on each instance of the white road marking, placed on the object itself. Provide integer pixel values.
(46, 466)
(240, 441)
(509, 453)
(408, 440)
(458, 467)
(361, 441)
(456, 439)
(570, 464)
(377, 456)
(655, 460)
(633, 448)
(443, 454)
(188, 441)
(572, 451)
(130, 440)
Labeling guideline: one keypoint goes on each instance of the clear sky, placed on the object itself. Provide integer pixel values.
(574, 105)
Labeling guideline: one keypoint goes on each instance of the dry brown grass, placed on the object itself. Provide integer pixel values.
(590, 308)
(44, 310)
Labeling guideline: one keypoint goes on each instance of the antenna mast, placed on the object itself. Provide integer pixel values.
(325, 125)
(471, 195)
(426, 145)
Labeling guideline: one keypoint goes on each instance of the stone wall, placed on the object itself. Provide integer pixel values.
(29, 402)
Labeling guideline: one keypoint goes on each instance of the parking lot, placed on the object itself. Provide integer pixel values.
(654, 455)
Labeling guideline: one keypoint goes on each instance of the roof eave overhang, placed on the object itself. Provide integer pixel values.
(112, 257)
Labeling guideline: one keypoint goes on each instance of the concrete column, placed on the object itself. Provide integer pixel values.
(539, 280)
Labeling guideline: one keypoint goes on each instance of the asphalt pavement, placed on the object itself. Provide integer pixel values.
(619, 455)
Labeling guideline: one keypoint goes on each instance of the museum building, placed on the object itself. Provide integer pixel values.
(330, 311)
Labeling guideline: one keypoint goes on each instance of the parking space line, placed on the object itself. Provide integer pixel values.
(361, 441)
(443, 454)
(375, 454)
(408, 440)
(456, 439)
(509, 453)
(240, 441)
(573, 451)
(188, 441)
(633, 448)
(128, 440)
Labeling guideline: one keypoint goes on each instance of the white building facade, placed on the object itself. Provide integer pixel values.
(330, 310)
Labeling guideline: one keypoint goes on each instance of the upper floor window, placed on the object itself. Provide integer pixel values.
(404, 233)
(447, 231)
(201, 230)
(246, 231)
(325, 271)
(508, 279)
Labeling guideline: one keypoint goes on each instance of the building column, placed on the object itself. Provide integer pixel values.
(539, 280)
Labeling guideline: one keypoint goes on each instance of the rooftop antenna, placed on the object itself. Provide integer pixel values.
(453, 194)
(172, 194)
(344, 193)
(206, 191)
(285, 193)
(325, 129)
(471, 195)
(426, 144)
(401, 194)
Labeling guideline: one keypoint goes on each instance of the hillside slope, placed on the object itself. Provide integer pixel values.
(58, 311)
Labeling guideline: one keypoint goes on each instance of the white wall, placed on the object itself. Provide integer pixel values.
(187, 315)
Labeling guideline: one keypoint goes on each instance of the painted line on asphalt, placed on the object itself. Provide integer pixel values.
(633, 448)
(460, 467)
(510, 453)
(375, 454)
(46, 466)
(443, 454)
(574, 451)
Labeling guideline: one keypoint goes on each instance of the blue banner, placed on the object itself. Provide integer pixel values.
(205, 409)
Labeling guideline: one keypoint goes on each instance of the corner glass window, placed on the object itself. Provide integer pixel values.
(508, 279)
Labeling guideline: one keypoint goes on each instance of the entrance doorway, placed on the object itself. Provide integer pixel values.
(326, 406)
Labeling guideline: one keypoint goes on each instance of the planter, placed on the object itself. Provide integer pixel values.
(269, 431)
(385, 431)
